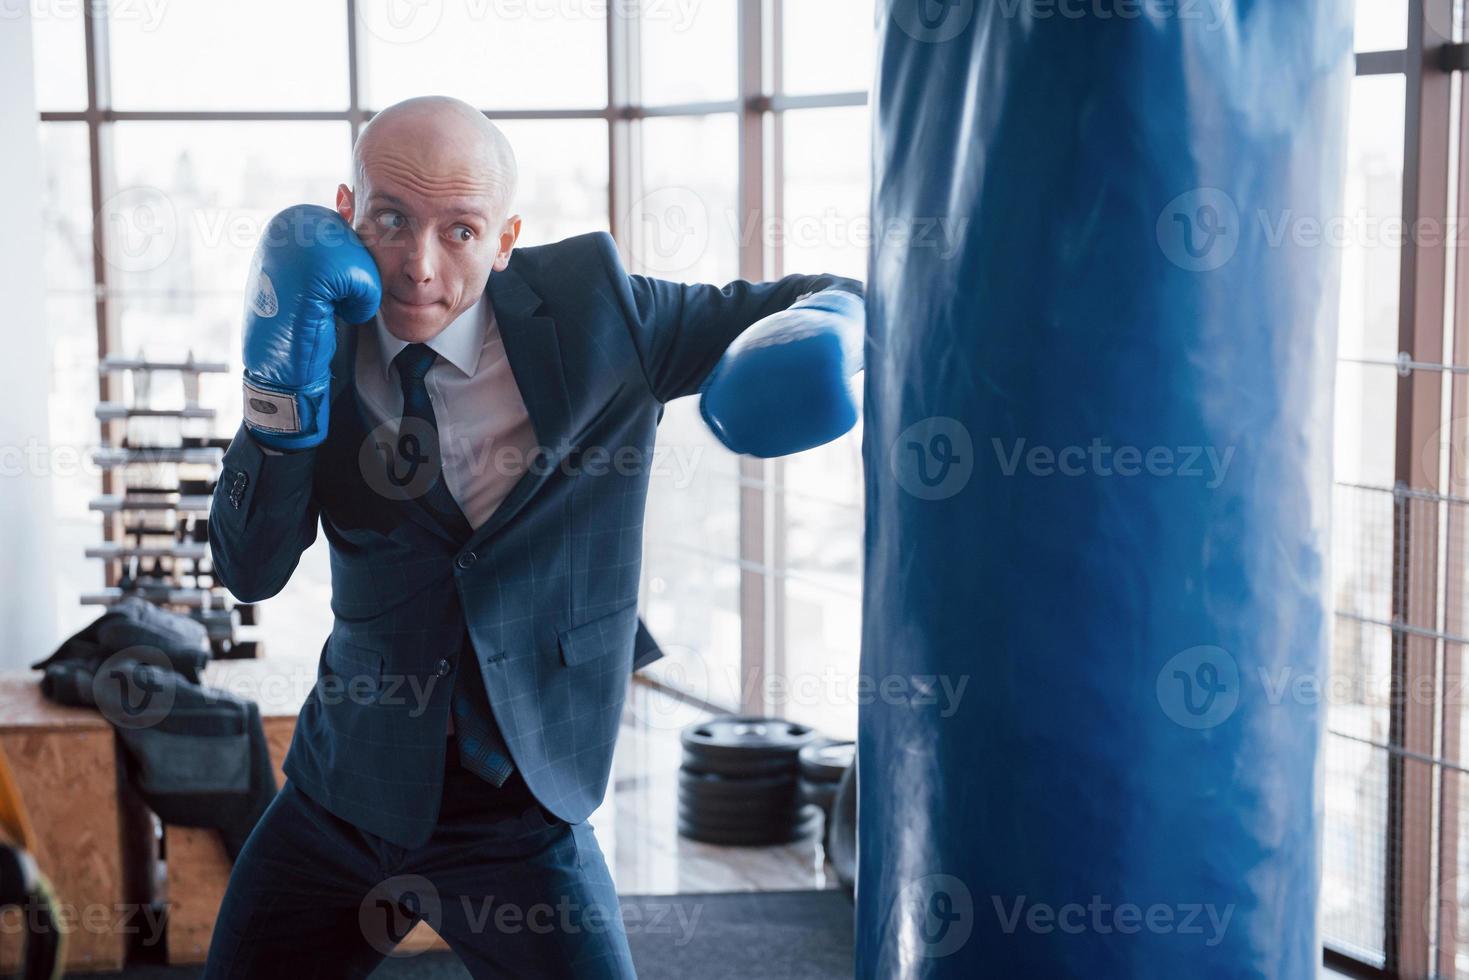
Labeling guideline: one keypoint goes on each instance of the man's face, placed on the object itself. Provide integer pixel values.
(434, 242)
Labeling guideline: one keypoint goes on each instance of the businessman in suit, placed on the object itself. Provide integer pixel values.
(472, 427)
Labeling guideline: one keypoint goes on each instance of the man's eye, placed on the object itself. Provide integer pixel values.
(390, 219)
(463, 233)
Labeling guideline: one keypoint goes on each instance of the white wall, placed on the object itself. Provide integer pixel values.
(28, 628)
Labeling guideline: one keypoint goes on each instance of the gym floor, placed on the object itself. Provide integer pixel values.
(636, 823)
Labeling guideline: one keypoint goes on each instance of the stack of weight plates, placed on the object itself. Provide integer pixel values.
(822, 765)
(740, 782)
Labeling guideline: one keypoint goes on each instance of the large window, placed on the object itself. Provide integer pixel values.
(719, 140)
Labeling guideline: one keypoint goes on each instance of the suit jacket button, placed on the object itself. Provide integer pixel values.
(443, 667)
(467, 559)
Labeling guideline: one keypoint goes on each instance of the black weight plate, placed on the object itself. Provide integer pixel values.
(740, 768)
(841, 832)
(824, 762)
(746, 837)
(770, 820)
(713, 786)
(744, 745)
(764, 803)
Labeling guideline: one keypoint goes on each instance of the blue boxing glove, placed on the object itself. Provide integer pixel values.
(309, 268)
(784, 385)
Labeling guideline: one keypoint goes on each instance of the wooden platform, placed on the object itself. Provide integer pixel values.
(64, 761)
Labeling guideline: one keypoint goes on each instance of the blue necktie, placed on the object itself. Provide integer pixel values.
(481, 748)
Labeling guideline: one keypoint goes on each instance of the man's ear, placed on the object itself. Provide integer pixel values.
(509, 232)
(345, 205)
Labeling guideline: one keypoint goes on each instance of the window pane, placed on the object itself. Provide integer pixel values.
(684, 222)
(1382, 25)
(563, 177)
(828, 187)
(71, 328)
(689, 52)
(827, 46)
(821, 543)
(280, 55)
(1366, 394)
(691, 575)
(192, 200)
(1354, 849)
(67, 209)
(60, 57)
(492, 55)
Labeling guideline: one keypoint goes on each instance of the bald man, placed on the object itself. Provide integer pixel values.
(472, 427)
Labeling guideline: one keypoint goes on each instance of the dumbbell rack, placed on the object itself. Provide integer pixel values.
(156, 522)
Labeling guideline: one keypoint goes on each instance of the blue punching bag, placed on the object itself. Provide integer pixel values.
(1099, 378)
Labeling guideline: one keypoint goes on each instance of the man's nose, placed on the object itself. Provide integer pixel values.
(421, 259)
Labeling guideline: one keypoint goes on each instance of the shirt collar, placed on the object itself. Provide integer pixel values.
(459, 343)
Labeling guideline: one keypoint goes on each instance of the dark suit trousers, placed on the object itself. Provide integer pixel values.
(514, 891)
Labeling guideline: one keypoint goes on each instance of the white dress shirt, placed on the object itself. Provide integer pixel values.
(485, 434)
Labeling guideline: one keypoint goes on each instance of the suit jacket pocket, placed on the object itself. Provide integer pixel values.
(611, 633)
(359, 669)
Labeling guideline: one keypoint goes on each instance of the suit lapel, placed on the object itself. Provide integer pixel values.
(534, 353)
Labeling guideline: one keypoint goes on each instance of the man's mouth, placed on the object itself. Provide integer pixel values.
(409, 304)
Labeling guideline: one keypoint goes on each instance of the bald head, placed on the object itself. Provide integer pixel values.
(434, 181)
(437, 135)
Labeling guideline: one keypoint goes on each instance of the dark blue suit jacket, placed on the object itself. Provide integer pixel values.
(546, 589)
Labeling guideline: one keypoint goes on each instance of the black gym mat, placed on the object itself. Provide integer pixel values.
(803, 935)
